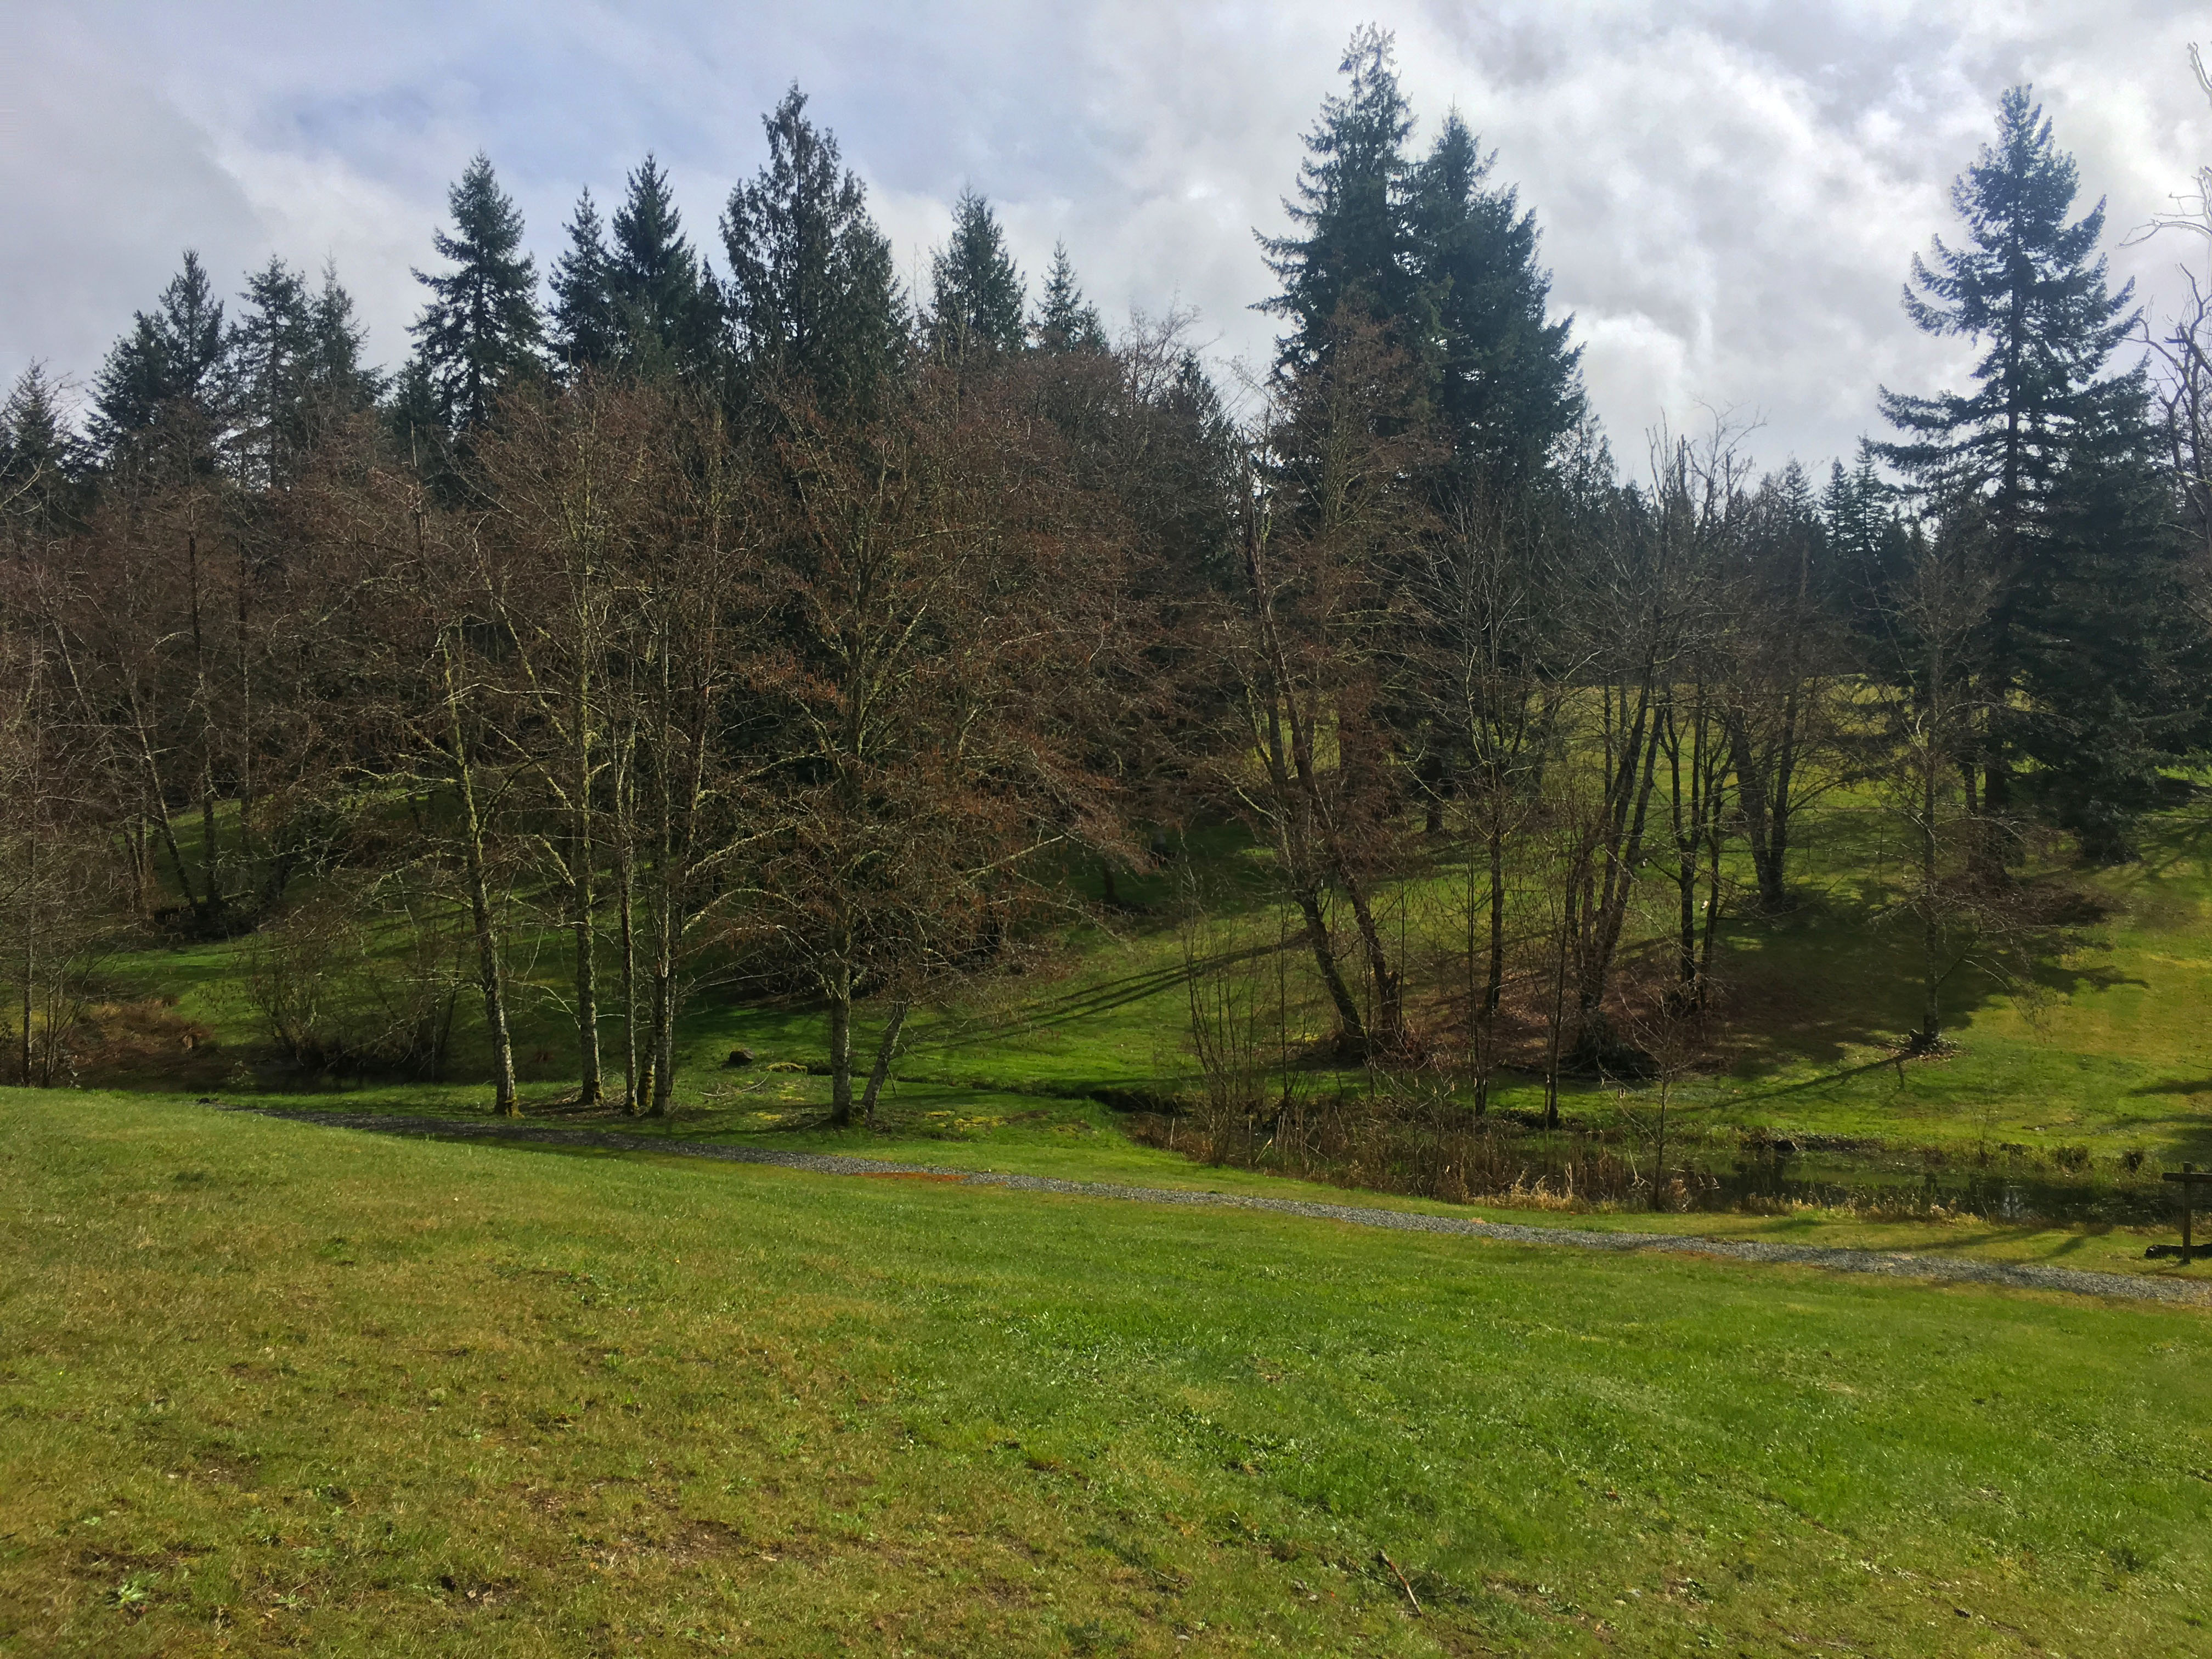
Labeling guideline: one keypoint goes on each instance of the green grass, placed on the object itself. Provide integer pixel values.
(1080, 1140)
(2112, 1054)
(2113, 1050)
(2115, 1054)
(269, 1387)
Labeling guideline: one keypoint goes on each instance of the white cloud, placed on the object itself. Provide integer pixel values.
(1730, 192)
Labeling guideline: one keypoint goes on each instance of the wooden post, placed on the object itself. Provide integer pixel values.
(2188, 1174)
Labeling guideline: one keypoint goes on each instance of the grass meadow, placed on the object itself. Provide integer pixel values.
(275, 1387)
(269, 1386)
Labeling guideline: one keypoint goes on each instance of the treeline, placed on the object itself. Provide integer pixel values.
(766, 625)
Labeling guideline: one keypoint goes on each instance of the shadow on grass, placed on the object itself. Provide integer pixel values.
(1821, 1081)
(1835, 976)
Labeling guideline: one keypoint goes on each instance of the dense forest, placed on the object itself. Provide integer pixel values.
(744, 623)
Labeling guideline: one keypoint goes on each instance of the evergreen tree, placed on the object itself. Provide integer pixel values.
(480, 328)
(1065, 321)
(1508, 383)
(271, 352)
(2030, 288)
(1856, 513)
(1189, 509)
(2113, 683)
(665, 302)
(295, 368)
(1352, 248)
(416, 417)
(39, 457)
(338, 337)
(977, 295)
(586, 332)
(1867, 541)
(167, 373)
(811, 290)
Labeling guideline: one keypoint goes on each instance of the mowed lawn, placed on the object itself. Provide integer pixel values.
(267, 1387)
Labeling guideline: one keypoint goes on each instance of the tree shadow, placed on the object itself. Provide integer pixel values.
(1823, 983)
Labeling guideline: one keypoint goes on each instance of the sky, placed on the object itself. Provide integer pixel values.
(1729, 194)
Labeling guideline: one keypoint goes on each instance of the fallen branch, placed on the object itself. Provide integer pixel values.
(1403, 1582)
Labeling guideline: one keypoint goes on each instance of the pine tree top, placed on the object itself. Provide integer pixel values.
(584, 327)
(1349, 247)
(1065, 321)
(173, 356)
(977, 295)
(480, 327)
(811, 290)
(2029, 286)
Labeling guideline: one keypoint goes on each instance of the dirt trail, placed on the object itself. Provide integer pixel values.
(1893, 1264)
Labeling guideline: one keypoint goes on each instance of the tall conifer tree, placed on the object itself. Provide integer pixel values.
(666, 306)
(1509, 381)
(1351, 248)
(977, 295)
(344, 383)
(40, 458)
(811, 290)
(2113, 684)
(586, 333)
(167, 372)
(295, 368)
(272, 352)
(1065, 321)
(2029, 289)
(480, 328)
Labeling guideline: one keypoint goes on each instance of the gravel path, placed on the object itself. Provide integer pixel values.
(2019, 1276)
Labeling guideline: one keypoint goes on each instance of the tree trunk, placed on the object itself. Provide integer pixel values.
(141, 857)
(589, 1087)
(1494, 988)
(256, 881)
(210, 886)
(1631, 770)
(661, 1067)
(1751, 799)
(1996, 800)
(1773, 881)
(664, 1039)
(841, 1044)
(166, 824)
(626, 884)
(1931, 933)
(1712, 900)
(504, 1104)
(1351, 1031)
(1555, 1048)
(662, 1064)
(1390, 1002)
(210, 882)
(1685, 863)
(30, 947)
(884, 1052)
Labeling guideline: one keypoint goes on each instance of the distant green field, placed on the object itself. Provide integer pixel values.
(276, 1387)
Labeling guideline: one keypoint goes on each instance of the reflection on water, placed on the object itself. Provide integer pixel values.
(2000, 1191)
(1512, 1159)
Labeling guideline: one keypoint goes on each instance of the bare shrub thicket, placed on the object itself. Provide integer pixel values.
(357, 981)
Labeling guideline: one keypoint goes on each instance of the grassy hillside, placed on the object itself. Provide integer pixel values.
(271, 1387)
(2107, 1047)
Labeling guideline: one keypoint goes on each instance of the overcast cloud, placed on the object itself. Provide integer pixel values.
(1729, 193)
